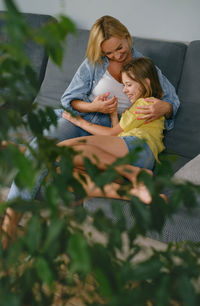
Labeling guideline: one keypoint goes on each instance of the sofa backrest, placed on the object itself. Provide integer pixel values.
(184, 139)
(34, 51)
(168, 56)
(178, 61)
(57, 78)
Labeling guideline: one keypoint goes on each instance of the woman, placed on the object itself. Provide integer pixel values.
(109, 49)
(140, 81)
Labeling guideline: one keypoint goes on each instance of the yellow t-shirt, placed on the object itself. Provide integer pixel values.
(151, 132)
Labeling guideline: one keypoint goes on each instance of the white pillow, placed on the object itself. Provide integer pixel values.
(190, 171)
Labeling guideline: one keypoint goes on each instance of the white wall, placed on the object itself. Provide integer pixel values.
(166, 19)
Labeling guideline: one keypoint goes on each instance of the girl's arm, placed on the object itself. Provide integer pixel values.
(92, 128)
(114, 118)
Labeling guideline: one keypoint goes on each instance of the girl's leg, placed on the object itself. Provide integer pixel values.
(111, 190)
(111, 144)
(93, 152)
(106, 148)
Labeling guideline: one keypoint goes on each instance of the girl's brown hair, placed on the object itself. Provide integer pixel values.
(140, 69)
(103, 29)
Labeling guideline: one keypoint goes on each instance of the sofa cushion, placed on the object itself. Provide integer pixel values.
(190, 80)
(184, 139)
(190, 171)
(168, 56)
(35, 52)
(57, 78)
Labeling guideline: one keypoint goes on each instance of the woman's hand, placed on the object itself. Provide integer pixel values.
(104, 105)
(156, 109)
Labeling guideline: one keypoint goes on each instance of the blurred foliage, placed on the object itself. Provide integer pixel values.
(61, 253)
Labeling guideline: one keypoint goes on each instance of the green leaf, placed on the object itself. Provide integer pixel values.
(105, 287)
(43, 270)
(33, 234)
(146, 270)
(141, 213)
(79, 253)
(53, 235)
(163, 290)
(186, 290)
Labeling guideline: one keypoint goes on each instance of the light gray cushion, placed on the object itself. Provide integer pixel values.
(190, 171)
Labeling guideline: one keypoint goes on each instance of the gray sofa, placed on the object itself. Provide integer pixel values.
(180, 62)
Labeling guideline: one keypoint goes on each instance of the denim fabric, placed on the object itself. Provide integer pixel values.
(27, 194)
(88, 75)
(145, 158)
(64, 130)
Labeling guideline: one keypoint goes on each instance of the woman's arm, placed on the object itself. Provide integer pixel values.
(76, 96)
(156, 109)
(167, 107)
(100, 104)
(92, 128)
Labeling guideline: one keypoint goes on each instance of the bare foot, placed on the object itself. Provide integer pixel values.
(9, 226)
(142, 192)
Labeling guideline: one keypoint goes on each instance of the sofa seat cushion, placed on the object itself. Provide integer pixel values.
(190, 171)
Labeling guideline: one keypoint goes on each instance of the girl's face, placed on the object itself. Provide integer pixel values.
(132, 89)
(116, 49)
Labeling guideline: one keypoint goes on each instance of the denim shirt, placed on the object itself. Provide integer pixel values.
(88, 75)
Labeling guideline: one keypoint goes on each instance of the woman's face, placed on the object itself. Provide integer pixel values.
(116, 49)
(132, 89)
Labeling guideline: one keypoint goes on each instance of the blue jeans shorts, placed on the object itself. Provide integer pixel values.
(145, 157)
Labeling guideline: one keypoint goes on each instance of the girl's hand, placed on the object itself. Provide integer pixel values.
(75, 120)
(114, 118)
(104, 105)
(156, 109)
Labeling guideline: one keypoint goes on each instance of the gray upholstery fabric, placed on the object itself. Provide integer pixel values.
(189, 85)
(35, 52)
(162, 53)
(190, 171)
(182, 226)
(184, 139)
(58, 78)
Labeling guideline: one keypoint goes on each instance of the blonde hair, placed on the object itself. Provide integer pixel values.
(140, 69)
(103, 29)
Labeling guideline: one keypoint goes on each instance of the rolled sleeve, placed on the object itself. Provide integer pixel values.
(169, 96)
(78, 89)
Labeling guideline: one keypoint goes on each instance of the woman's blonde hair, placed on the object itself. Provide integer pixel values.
(140, 69)
(103, 29)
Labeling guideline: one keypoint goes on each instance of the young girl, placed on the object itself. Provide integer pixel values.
(140, 81)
